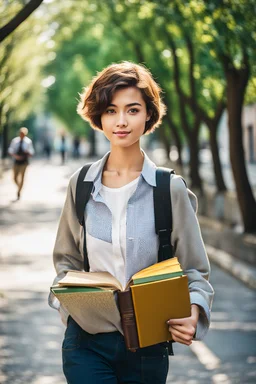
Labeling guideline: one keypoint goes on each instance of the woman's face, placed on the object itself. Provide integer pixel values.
(124, 120)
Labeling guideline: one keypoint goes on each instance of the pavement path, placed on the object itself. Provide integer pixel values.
(31, 333)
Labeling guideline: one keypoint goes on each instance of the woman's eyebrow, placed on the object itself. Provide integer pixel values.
(128, 105)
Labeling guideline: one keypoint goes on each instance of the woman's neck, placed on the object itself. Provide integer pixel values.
(123, 160)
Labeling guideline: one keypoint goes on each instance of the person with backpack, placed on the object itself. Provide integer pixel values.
(117, 230)
(21, 148)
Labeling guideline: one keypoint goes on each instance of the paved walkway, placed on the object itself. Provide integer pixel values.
(30, 334)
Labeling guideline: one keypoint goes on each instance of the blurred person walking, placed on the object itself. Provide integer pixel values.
(21, 148)
(63, 149)
(76, 147)
(47, 147)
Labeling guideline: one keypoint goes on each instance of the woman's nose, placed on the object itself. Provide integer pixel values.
(121, 121)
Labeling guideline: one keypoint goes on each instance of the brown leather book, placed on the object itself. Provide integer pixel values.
(128, 319)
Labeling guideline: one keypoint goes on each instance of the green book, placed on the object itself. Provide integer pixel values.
(57, 290)
(149, 279)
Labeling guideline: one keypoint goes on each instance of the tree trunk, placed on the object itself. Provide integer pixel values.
(219, 181)
(236, 85)
(92, 141)
(5, 141)
(176, 137)
(196, 181)
(21, 16)
(138, 51)
(179, 149)
(165, 141)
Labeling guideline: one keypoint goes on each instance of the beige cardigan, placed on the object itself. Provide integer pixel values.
(186, 236)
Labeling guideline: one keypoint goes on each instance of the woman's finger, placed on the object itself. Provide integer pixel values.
(184, 337)
(185, 329)
(180, 328)
(180, 340)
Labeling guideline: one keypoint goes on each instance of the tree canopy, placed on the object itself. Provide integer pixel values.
(197, 50)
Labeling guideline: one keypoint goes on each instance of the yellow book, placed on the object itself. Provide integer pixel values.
(155, 303)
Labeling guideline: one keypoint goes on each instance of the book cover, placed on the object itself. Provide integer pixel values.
(155, 303)
(95, 308)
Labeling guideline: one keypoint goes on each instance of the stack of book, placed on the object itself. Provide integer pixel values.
(152, 296)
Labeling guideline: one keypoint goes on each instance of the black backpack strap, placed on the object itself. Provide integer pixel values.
(163, 212)
(83, 193)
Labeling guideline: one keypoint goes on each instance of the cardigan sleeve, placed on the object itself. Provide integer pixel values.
(189, 248)
(68, 250)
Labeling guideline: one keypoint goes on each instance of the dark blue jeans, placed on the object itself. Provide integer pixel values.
(103, 359)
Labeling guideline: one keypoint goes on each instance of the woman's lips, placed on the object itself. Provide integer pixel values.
(121, 133)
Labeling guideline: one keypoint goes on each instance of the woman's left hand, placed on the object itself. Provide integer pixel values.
(183, 330)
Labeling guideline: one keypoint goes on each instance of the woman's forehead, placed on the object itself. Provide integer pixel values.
(127, 95)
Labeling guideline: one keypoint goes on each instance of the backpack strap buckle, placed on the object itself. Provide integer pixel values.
(164, 234)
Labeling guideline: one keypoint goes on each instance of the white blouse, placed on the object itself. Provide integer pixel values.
(106, 256)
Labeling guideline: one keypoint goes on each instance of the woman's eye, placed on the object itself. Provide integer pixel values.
(133, 110)
(110, 111)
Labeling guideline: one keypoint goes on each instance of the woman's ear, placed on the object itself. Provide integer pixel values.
(149, 114)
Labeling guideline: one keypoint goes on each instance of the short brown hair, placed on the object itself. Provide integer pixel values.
(98, 95)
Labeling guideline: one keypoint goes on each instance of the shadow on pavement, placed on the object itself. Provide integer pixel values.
(30, 335)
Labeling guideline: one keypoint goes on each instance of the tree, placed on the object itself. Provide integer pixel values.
(138, 19)
(81, 49)
(21, 16)
(21, 75)
(190, 128)
(185, 41)
(232, 32)
(166, 25)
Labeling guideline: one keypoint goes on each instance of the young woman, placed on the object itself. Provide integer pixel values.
(124, 102)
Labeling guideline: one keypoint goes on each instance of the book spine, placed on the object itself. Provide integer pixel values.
(128, 319)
